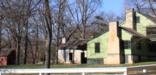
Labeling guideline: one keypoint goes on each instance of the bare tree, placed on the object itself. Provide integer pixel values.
(143, 6)
(16, 15)
(31, 9)
(79, 12)
(60, 26)
(48, 20)
(14, 22)
(0, 32)
(28, 23)
(86, 10)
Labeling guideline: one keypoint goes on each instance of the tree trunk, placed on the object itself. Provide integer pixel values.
(49, 29)
(26, 45)
(49, 51)
(18, 50)
(37, 43)
(0, 34)
(18, 44)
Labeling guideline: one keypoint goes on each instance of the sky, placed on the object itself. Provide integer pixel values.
(115, 6)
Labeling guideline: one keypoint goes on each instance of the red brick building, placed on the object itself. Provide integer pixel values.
(7, 57)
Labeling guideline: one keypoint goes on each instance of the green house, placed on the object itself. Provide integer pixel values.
(128, 42)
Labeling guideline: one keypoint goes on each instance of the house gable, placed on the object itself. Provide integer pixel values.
(140, 25)
(103, 40)
(143, 23)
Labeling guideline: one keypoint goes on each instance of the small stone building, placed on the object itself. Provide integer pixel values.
(75, 54)
(70, 56)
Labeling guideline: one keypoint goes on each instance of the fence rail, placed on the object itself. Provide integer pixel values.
(131, 70)
(142, 70)
(83, 71)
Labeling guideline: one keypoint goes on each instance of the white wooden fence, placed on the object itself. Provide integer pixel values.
(83, 71)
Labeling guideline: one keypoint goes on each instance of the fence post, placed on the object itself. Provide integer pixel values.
(125, 73)
(40, 73)
(83, 73)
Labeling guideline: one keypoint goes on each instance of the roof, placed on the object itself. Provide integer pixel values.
(76, 44)
(133, 32)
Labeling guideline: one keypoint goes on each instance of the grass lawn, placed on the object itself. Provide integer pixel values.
(76, 65)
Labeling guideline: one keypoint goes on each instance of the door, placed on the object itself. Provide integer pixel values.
(83, 58)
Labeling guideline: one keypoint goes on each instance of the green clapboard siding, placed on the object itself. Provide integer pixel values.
(140, 27)
(144, 22)
(103, 40)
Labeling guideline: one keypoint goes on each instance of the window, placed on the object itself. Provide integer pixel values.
(137, 19)
(97, 47)
(151, 32)
(127, 44)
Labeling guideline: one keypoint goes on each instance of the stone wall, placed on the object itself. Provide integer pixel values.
(64, 56)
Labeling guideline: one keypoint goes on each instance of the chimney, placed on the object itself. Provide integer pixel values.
(114, 44)
(113, 56)
(130, 19)
(63, 40)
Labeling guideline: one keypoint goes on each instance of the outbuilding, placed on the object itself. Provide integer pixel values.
(7, 57)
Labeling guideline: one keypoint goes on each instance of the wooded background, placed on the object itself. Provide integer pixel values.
(34, 28)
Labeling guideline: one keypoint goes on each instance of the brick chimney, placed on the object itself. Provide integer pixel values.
(113, 56)
(130, 19)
